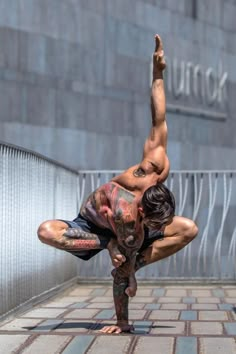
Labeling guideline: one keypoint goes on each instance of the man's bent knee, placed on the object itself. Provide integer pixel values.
(190, 229)
(46, 231)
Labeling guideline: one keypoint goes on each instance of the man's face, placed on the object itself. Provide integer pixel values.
(147, 221)
(153, 224)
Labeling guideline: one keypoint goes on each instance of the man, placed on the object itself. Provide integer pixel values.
(135, 207)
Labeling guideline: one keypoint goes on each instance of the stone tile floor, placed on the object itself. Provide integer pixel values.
(182, 319)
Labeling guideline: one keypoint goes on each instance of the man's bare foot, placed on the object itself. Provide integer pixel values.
(132, 287)
(158, 56)
(117, 258)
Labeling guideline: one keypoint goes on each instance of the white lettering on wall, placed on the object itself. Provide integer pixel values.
(207, 86)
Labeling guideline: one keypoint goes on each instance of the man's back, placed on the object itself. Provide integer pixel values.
(140, 177)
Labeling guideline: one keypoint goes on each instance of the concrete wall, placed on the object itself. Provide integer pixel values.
(74, 79)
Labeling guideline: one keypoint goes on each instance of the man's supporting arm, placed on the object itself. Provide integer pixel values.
(121, 301)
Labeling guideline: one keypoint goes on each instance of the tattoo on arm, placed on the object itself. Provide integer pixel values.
(121, 300)
(122, 278)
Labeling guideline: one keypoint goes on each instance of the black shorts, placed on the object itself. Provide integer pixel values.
(88, 226)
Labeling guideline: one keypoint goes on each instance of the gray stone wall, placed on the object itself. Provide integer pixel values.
(75, 74)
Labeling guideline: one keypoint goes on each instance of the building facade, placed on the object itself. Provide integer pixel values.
(75, 79)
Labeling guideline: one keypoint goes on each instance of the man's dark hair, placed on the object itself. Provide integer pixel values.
(158, 204)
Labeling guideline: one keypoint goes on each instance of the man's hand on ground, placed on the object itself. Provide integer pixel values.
(117, 329)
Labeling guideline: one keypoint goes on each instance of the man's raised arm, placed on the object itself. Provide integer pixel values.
(158, 100)
(158, 134)
(155, 145)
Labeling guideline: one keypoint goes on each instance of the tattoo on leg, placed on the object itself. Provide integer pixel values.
(75, 232)
(77, 239)
(75, 244)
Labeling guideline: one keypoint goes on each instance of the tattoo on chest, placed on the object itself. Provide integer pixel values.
(139, 172)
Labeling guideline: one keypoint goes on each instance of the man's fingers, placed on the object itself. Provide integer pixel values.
(104, 329)
(118, 260)
(116, 263)
(158, 43)
(120, 257)
(111, 329)
(114, 329)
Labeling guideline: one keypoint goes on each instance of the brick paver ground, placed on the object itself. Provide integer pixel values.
(167, 320)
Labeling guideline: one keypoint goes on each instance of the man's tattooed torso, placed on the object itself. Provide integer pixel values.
(113, 207)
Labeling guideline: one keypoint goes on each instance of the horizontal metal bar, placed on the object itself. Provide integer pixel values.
(172, 171)
(38, 155)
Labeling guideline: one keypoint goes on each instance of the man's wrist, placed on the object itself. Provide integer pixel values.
(125, 326)
(122, 323)
(157, 74)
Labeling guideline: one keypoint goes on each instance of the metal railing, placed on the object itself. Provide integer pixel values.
(33, 189)
(208, 198)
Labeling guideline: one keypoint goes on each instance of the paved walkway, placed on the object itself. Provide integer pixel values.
(167, 320)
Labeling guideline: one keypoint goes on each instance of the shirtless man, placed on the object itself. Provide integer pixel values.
(124, 206)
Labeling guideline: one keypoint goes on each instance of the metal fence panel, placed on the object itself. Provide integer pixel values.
(32, 190)
(207, 197)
